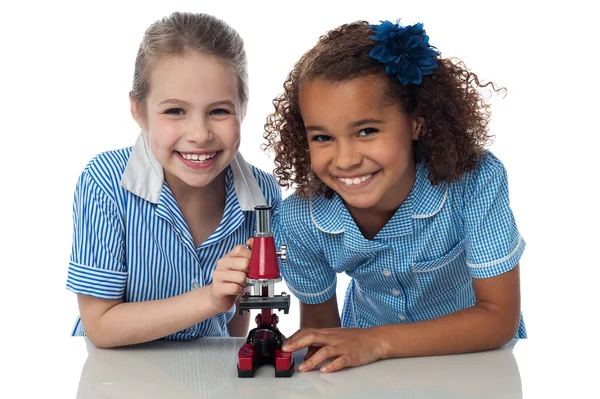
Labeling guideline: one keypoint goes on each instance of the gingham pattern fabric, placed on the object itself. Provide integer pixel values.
(127, 247)
(420, 265)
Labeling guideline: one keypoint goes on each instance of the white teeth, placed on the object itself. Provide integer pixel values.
(355, 180)
(198, 158)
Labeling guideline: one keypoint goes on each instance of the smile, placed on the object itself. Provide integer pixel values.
(349, 181)
(198, 158)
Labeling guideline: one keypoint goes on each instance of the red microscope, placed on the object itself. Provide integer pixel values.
(263, 344)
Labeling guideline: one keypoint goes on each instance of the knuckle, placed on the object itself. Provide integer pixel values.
(333, 350)
(245, 264)
(216, 278)
(353, 360)
(346, 360)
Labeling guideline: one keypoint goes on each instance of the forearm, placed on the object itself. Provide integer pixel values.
(322, 315)
(239, 324)
(130, 323)
(481, 327)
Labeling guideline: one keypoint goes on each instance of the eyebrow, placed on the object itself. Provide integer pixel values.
(368, 121)
(222, 102)
(181, 102)
(352, 125)
(173, 101)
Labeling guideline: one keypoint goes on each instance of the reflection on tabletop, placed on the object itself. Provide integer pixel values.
(206, 368)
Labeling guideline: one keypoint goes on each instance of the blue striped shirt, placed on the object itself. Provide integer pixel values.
(131, 242)
(420, 265)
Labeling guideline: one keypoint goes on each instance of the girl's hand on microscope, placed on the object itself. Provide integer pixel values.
(229, 277)
(346, 347)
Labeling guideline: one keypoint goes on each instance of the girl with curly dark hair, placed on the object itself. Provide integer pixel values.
(384, 142)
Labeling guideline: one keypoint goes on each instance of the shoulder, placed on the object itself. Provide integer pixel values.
(106, 169)
(488, 164)
(267, 184)
(294, 212)
(266, 181)
(487, 181)
(490, 171)
(296, 205)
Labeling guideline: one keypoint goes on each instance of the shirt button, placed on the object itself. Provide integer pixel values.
(401, 316)
(190, 330)
(386, 273)
(395, 292)
(195, 284)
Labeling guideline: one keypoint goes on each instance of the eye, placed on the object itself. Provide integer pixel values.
(220, 111)
(321, 138)
(174, 111)
(367, 132)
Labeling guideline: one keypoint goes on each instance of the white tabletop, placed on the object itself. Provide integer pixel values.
(206, 368)
(70, 367)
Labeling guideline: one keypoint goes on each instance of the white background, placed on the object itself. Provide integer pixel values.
(66, 69)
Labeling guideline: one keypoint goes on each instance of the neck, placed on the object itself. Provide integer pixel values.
(211, 197)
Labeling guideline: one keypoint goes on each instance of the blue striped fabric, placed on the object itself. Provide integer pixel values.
(420, 266)
(125, 246)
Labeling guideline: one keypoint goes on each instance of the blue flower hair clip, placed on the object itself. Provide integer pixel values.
(405, 51)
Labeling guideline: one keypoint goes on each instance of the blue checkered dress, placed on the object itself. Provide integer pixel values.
(420, 265)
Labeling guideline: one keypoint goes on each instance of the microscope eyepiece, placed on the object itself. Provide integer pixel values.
(263, 220)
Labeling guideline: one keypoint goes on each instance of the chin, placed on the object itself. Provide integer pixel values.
(196, 184)
(193, 181)
(358, 202)
(199, 183)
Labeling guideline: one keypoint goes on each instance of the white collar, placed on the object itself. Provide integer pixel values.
(144, 177)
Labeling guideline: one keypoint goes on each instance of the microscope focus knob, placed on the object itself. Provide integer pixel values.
(282, 253)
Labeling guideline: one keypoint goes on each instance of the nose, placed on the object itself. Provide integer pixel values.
(347, 155)
(199, 131)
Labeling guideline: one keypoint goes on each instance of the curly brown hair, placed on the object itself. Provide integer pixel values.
(453, 110)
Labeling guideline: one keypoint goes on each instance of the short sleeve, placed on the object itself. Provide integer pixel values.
(306, 272)
(97, 263)
(493, 242)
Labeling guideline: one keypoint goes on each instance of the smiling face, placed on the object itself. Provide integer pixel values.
(361, 145)
(192, 115)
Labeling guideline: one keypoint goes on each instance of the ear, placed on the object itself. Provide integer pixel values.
(137, 111)
(418, 125)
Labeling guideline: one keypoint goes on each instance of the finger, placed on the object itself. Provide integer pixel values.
(250, 243)
(231, 263)
(289, 340)
(231, 276)
(295, 335)
(323, 354)
(307, 330)
(313, 337)
(337, 364)
(228, 289)
(310, 352)
(241, 251)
